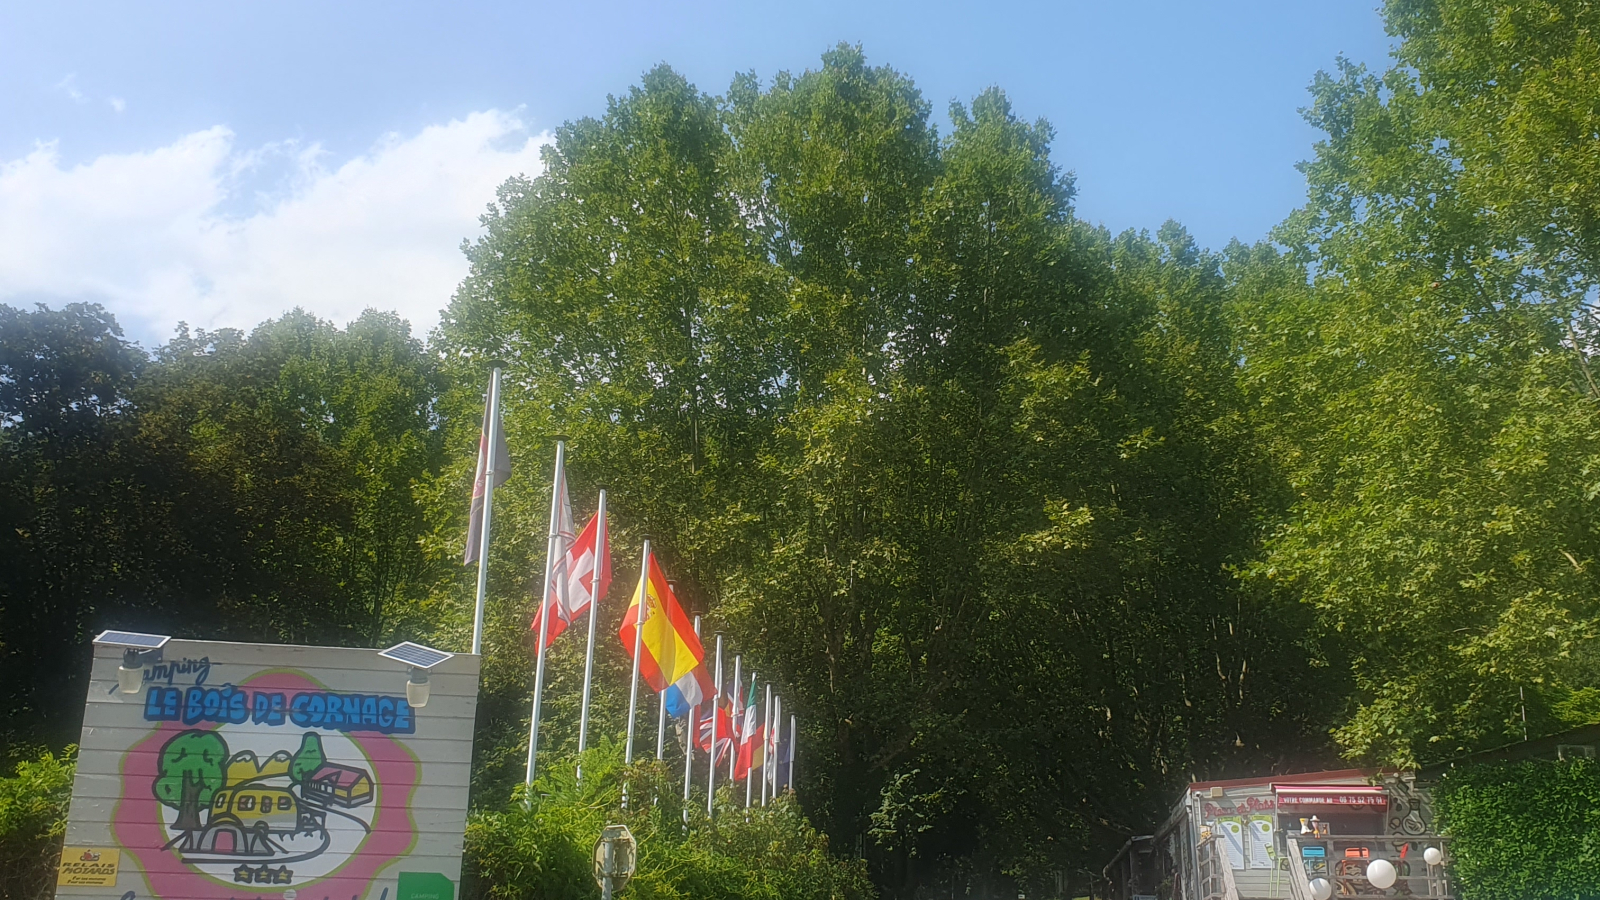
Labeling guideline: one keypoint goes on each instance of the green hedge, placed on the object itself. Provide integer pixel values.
(543, 850)
(539, 851)
(1524, 831)
(33, 818)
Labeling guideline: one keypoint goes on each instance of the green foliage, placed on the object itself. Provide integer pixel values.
(967, 476)
(33, 819)
(261, 487)
(1524, 831)
(1420, 365)
(545, 849)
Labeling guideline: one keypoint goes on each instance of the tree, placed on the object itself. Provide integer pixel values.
(1420, 359)
(192, 768)
(308, 759)
(968, 475)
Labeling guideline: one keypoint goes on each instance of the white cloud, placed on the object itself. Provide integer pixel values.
(117, 104)
(69, 86)
(157, 237)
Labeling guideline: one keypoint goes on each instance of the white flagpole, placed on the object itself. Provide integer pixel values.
(552, 549)
(773, 743)
(638, 643)
(737, 723)
(711, 758)
(688, 748)
(488, 511)
(602, 542)
(750, 773)
(661, 728)
(766, 733)
(794, 741)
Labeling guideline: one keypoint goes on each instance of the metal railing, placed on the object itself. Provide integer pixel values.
(1346, 857)
(1216, 872)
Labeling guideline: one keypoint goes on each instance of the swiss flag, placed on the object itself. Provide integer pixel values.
(591, 551)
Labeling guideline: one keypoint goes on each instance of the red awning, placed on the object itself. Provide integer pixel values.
(1343, 795)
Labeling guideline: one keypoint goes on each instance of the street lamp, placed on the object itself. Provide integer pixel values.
(420, 659)
(138, 651)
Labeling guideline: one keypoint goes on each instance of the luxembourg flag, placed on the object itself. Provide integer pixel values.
(588, 560)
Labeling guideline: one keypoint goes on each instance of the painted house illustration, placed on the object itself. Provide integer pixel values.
(338, 785)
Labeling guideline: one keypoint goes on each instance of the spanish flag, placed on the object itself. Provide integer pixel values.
(670, 652)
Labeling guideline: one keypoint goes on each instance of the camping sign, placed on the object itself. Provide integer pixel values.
(266, 771)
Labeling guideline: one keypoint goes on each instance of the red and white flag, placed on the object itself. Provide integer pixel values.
(500, 462)
(724, 720)
(573, 587)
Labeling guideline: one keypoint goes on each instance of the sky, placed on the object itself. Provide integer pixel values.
(220, 163)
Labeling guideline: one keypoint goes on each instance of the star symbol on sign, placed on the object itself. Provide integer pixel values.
(243, 874)
(283, 875)
(264, 875)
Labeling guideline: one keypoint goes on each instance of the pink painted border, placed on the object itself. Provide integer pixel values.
(136, 822)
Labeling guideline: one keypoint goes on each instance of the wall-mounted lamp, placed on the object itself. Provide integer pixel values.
(420, 659)
(138, 651)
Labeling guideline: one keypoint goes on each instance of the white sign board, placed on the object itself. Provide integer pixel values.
(270, 771)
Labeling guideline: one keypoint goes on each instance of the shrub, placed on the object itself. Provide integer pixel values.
(543, 850)
(1524, 831)
(33, 819)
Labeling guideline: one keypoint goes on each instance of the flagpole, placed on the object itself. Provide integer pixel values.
(737, 721)
(488, 511)
(773, 743)
(694, 734)
(750, 772)
(711, 765)
(766, 729)
(661, 728)
(552, 547)
(601, 545)
(794, 741)
(638, 640)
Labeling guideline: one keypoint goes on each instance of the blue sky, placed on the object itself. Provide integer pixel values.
(219, 163)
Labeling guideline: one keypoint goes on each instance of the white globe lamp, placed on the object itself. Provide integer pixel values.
(1321, 888)
(1433, 856)
(1381, 873)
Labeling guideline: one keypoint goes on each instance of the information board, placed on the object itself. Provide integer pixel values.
(270, 771)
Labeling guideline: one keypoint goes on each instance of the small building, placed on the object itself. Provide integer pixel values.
(336, 785)
(1274, 836)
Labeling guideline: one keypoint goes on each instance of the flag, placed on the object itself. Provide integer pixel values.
(562, 539)
(784, 758)
(502, 471)
(724, 720)
(589, 553)
(752, 737)
(671, 655)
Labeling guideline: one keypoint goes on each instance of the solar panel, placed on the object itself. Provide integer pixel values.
(415, 655)
(132, 639)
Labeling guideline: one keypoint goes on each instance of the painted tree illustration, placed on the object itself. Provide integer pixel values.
(193, 768)
(308, 759)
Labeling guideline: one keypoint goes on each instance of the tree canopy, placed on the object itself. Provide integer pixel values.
(1033, 523)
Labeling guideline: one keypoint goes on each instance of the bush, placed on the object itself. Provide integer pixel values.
(1524, 831)
(543, 850)
(33, 819)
